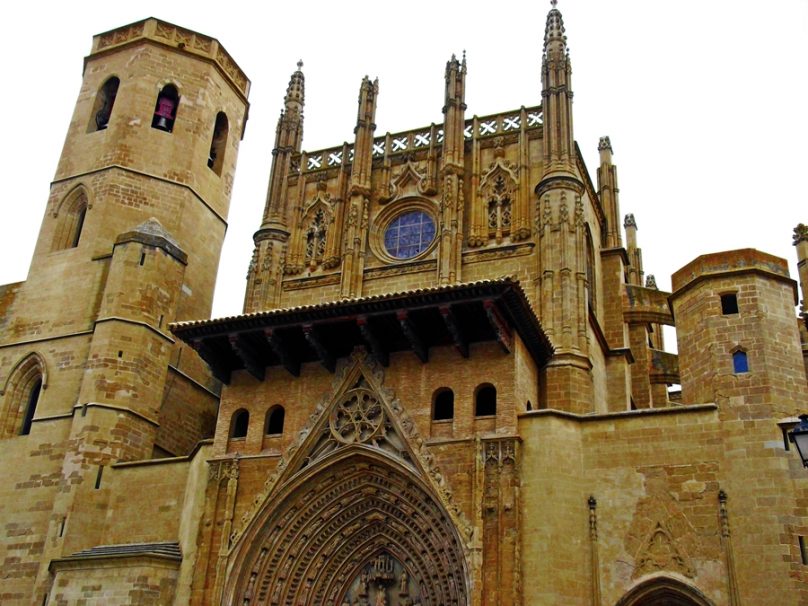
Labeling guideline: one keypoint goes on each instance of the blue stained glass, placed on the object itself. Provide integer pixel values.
(409, 234)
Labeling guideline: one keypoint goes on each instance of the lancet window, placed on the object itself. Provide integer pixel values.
(315, 239)
(499, 210)
(102, 108)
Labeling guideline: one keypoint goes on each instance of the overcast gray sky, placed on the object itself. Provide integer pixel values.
(705, 102)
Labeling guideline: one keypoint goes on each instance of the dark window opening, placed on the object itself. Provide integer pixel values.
(529, 406)
(275, 419)
(165, 110)
(30, 408)
(729, 304)
(240, 423)
(803, 550)
(218, 143)
(80, 214)
(740, 363)
(443, 407)
(485, 401)
(98, 477)
(102, 108)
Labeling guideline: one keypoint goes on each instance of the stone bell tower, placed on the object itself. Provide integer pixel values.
(130, 242)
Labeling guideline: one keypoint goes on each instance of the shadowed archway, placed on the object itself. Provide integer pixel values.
(360, 526)
(664, 591)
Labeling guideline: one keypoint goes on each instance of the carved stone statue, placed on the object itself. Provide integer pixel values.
(381, 596)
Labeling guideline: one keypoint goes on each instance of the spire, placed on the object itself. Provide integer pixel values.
(554, 38)
(556, 79)
(454, 106)
(295, 92)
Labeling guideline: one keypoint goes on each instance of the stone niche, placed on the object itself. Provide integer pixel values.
(383, 582)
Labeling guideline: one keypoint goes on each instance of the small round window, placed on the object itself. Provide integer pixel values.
(409, 234)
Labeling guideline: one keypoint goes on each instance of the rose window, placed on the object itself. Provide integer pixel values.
(357, 418)
(409, 234)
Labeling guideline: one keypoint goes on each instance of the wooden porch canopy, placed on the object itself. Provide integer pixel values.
(459, 315)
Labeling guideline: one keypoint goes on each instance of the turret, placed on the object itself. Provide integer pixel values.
(608, 193)
(265, 271)
(355, 226)
(556, 78)
(563, 235)
(737, 338)
(634, 270)
(452, 165)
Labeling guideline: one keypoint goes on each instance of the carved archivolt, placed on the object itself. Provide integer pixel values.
(357, 513)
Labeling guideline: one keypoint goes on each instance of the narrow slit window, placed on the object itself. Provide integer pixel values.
(740, 363)
(485, 404)
(803, 550)
(275, 419)
(443, 407)
(30, 408)
(239, 424)
(729, 304)
(165, 110)
(218, 143)
(102, 108)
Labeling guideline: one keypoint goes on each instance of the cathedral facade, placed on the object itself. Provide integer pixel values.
(448, 385)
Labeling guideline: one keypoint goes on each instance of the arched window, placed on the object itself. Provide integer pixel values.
(239, 424)
(218, 143)
(275, 418)
(102, 108)
(499, 210)
(21, 395)
(740, 363)
(485, 400)
(165, 110)
(70, 217)
(443, 405)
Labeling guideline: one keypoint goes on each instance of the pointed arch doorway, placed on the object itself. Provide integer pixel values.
(361, 530)
(664, 591)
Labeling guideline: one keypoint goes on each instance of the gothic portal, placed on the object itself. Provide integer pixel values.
(354, 516)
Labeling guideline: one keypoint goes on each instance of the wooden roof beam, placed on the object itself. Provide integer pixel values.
(316, 343)
(454, 328)
(248, 354)
(501, 330)
(372, 339)
(289, 362)
(410, 331)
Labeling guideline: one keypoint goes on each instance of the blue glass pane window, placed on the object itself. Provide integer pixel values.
(409, 234)
(739, 362)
